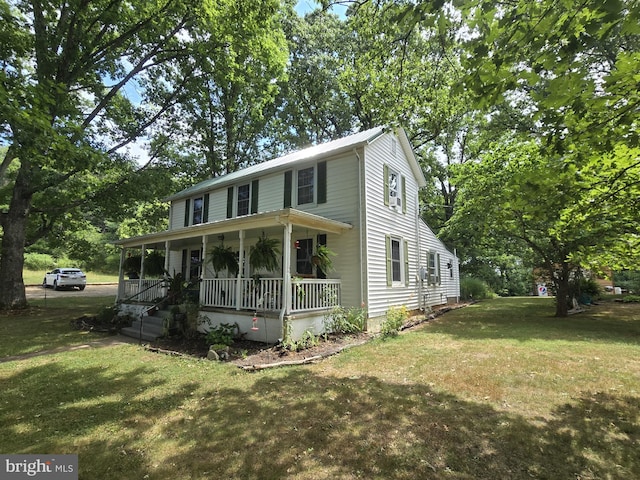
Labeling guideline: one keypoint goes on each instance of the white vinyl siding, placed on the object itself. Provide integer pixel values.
(441, 282)
(383, 222)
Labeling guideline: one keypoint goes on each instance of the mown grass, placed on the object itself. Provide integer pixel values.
(34, 277)
(44, 325)
(498, 390)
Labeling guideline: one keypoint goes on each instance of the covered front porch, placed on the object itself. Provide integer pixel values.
(296, 287)
(255, 294)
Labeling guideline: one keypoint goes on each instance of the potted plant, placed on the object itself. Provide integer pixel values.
(265, 254)
(222, 257)
(321, 258)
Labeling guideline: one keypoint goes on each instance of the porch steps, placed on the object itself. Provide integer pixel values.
(152, 327)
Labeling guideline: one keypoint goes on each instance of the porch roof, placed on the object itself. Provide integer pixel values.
(248, 222)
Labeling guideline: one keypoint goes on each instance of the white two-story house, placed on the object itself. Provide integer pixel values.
(357, 195)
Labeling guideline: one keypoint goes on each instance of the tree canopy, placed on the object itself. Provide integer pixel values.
(524, 114)
(79, 82)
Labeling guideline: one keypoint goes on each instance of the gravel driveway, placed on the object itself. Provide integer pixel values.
(92, 290)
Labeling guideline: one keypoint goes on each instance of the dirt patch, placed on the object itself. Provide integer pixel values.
(255, 355)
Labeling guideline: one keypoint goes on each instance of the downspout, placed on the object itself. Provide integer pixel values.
(363, 229)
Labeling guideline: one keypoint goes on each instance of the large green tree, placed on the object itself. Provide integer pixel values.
(521, 197)
(219, 120)
(75, 90)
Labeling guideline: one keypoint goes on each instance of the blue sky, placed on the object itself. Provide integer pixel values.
(306, 6)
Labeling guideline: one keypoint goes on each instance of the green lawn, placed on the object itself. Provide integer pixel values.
(45, 324)
(497, 390)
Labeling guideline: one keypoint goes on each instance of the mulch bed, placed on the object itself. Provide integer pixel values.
(250, 355)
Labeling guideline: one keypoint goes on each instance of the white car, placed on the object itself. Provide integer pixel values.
(65, 278)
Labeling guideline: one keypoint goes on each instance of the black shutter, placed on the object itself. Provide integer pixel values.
(205, 208)
(288, 181)
(187, 211)
(230, 202)
(322, 182)
(254, 196)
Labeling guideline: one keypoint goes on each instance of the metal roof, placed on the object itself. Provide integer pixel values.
(321, 150)
(256, 221)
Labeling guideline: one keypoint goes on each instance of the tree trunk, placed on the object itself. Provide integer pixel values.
(14, 225)
(562, 291)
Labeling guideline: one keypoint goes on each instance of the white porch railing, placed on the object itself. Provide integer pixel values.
(218, 292)
(145, 290)
(313, 294)
(268, 293)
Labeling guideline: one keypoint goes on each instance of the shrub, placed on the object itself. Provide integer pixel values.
(307, 340)
(223, 334)
(590, 287)
(631, 299)
(39, 261)
(396, 318)
(343, 321)
(628, 280)
(474, 289)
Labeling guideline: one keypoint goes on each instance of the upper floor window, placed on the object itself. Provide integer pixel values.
(196, 210)
(393, 185)
(306, 185)
(244, 197)
(394, 189)
(198, 206)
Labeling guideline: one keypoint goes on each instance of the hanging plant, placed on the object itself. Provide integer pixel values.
(222, 258)
(131, 265)
(265, 254)
(154, 264)
(321, 258)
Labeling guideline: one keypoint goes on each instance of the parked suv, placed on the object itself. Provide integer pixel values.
(65, 278)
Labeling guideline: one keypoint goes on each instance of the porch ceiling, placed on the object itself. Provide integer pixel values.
(277, 218)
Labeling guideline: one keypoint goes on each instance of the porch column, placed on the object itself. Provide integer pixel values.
(141, 267)
(203, 266)
(241, 235)
(204, 256)
(120, 293)
(166, 257)
(286, 268)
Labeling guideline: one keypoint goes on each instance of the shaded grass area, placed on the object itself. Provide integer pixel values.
(44, 325)
(441, 401)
